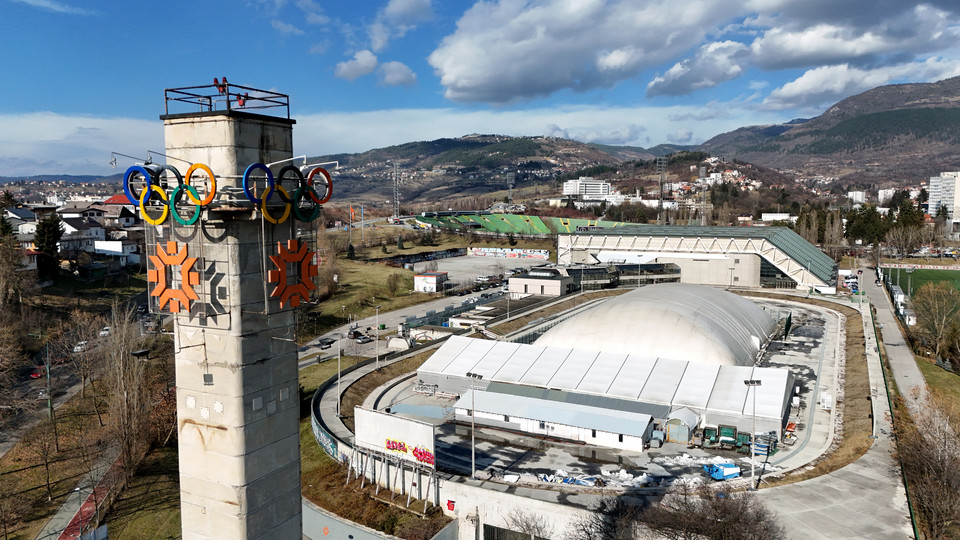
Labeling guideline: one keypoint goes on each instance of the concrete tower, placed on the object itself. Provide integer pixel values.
(236, 358)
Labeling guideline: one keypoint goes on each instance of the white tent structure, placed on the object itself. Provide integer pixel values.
(671, 320)
(715, 392)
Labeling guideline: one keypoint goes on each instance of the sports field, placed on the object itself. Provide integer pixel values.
(920, 276)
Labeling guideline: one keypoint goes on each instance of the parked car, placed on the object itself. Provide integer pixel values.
(354, 334)
(326, 343)
(104, 332)
(364, 339)
(37, 372)
(80, 347)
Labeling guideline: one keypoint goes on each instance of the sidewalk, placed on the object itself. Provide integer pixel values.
(81, 508)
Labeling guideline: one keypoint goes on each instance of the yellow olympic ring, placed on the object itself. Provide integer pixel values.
(213, 184)
(143, 205)
(263, 206)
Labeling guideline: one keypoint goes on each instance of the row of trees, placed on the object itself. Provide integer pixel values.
(686, 513)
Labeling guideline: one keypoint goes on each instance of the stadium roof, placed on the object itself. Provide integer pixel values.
(671, 320)
(635, 377)
(791, 243)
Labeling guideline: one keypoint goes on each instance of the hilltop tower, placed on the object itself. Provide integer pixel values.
(229, 258)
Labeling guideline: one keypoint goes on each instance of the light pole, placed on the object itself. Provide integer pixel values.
(909, 282)
(339, 340)
(79, 511)
(377, 345)
(753, 436)
(473, 425)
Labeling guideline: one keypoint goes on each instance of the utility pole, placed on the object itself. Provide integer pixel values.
(396, 191)
(473, 422)
(753, 383)
(661, 171)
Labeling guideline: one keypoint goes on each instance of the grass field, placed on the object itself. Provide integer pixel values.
(921, 276)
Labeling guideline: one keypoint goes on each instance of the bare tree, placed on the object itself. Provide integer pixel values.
(12, 508)
(904, 239)
(533, 526)
(42, 442)
(685, 514)
(79, 327)
(705, 513)
(936, 306)
(612, 519)
(129, 393)
(930, 453)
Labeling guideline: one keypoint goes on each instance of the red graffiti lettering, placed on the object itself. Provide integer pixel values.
(423, 455)
(398, 446)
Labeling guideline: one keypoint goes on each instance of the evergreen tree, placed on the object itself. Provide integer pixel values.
(351, 252)
(47, 238)
(5, 228)
(7, 200)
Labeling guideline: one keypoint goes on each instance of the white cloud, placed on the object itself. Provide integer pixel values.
(681, 136)
(713, 64)
(48, 143)
(58, 7)
(397, 74)
(363, 63)
(508, 51)
(823, 86)
(408, 11)
(396, 19)
(312, 11)
(286, 28)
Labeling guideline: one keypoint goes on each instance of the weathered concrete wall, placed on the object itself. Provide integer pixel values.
(236, 361)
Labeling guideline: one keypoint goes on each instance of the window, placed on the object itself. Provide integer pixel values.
(543, 425)
(593, 433)
(736, 261)
(506, 418)
(620, 437)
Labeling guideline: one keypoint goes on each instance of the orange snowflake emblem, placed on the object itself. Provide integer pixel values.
(188, 277)
(294, 253)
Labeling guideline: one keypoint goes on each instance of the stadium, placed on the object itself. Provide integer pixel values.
(671, 356)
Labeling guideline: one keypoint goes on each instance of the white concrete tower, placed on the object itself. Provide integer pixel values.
(236, 358)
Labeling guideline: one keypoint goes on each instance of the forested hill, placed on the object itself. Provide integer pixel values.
(908, 130)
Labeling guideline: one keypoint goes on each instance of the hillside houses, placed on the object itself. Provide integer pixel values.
(99, 237)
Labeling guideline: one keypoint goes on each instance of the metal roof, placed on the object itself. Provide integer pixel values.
(557, 412)
(805, 253)
(656, 385)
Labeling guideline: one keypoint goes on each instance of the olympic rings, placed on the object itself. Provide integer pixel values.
(147, 175)
(246, 183)
(213, 184)
(298, 196)
(329, 188)
(283, 172)
(266, 197)
(175, 197)
(154, 182)
(143, 205)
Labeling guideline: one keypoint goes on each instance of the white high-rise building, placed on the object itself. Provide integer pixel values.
(587, 187)
(944, 193)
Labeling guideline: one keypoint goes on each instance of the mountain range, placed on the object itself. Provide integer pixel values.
(893, 135)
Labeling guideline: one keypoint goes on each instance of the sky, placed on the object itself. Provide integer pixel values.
(80, 79)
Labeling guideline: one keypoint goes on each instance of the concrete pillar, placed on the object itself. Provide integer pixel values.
(236, 361)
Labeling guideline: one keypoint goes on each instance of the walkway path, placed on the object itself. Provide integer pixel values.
(866, 499)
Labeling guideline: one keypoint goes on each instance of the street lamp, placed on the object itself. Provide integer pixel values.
(339, 340)
(753, 436)
(79, 511)
(909, 282)
(377, 345)
(474, 377)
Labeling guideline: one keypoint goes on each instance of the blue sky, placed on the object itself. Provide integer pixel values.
(81, 79)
